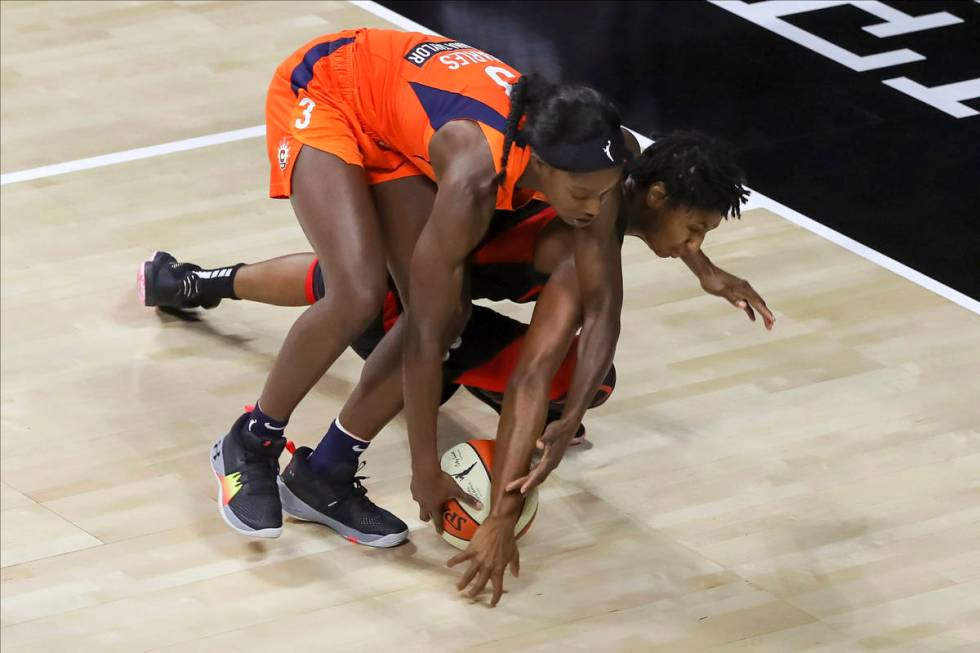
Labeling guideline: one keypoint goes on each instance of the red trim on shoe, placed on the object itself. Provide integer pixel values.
(290, 446)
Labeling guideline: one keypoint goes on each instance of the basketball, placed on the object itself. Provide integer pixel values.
(470, 464)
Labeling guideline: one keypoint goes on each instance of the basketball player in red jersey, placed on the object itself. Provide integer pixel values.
(677, 191)
(397, 147)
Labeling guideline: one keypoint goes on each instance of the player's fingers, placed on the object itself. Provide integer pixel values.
(515, 563)
(767, 317)
(437, 522)
(515, 485)
(740, 303)
(549, 436)
(458, 558)
(497, 581)
(468, 576)
(531, 482)
(536, 477)
(461, 495)
(481, 582)
(756, 301)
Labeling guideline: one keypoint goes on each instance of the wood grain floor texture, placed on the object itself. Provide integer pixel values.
(812, 489)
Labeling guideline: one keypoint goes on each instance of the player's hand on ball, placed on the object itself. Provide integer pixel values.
(553, 443)
(739, 293)
(492, 550)
(432, 490)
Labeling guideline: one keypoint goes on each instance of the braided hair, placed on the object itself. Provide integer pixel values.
(555, 114)
(698, 171)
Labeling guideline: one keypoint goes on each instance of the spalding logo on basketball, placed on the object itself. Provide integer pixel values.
(470, 464)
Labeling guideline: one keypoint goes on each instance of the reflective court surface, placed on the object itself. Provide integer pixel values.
(813, 488)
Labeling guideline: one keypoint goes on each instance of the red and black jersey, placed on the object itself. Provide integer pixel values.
(502, 265)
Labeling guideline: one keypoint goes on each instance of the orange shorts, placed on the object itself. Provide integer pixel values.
(323, 116)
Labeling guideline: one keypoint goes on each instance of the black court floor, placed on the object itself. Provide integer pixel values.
(837, 144)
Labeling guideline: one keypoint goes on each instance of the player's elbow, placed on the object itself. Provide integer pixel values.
(472, 186)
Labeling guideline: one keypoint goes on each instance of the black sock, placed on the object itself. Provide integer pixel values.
(216, 284)
(264, 426)
(337, 447)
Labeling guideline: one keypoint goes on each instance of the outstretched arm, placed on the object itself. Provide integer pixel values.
(438, 310)
(738, 292)
(600, 281)
(557, 315)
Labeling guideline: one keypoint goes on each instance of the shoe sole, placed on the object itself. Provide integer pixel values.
(144, 274)
(226, 513)
(299, 509)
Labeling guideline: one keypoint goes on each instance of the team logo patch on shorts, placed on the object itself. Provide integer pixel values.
(283, 154)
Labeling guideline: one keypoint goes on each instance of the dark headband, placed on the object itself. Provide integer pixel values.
(599, 153)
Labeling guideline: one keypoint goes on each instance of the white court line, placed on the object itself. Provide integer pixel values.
(757, 200)
(132, 155)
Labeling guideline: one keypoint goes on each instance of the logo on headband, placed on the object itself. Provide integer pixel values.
(598, 153)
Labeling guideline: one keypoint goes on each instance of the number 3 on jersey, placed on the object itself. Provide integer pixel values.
(308, 106)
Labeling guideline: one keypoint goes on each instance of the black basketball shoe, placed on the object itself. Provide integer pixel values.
(163, 281)
(337, 500)
(247, 466)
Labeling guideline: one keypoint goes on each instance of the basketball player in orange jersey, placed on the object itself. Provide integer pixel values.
(397, 147)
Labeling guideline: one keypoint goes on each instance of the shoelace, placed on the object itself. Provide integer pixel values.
(259, 471)
(356, 489)
(188, 286)
(359, 489)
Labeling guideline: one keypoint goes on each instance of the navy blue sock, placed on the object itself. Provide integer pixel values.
(336, 447)
(264, 426)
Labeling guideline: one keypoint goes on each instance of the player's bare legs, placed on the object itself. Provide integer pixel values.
(307, 486)
(341, 223)
(280, 281)
(333, 204)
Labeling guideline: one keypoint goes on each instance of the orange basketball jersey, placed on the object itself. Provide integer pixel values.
(388, 92)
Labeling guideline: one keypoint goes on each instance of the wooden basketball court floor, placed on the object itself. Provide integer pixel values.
(816, 488)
